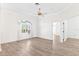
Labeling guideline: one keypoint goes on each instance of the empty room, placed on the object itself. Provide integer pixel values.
(39, 29)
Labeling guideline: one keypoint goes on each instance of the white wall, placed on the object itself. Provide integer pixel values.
(45, 28)
(73, 27)
(9, 25)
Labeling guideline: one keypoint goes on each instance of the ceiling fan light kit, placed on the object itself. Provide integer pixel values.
(39, 13)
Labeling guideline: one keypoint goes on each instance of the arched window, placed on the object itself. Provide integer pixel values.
(25, 26)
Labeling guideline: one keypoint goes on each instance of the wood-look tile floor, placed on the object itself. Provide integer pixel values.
(40, 47)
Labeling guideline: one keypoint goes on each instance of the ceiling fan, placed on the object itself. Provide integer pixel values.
(39, 11)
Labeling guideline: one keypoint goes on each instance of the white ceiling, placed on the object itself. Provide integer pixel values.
(65, 10)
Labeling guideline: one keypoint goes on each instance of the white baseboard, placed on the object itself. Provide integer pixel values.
(46, 38)
(14, 40)
(24, 39)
